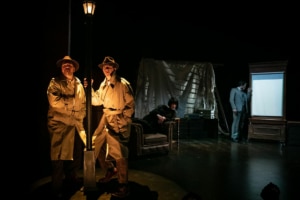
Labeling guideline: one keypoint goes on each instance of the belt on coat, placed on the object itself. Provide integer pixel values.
(112, 111)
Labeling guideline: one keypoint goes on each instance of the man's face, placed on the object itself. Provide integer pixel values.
(173, 106)
(67, 68)
(108, 70)
(243, 87)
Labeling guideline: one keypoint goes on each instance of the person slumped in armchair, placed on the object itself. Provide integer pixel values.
(155, 119)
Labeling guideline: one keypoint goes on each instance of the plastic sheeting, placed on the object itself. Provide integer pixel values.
(191, 83)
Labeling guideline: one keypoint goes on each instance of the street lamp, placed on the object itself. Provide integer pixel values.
(89, 157)
(89, 7)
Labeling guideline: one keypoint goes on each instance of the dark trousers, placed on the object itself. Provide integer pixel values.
(67, 169)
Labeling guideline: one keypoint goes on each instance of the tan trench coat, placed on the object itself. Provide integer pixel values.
(118, 102)
(67, 109)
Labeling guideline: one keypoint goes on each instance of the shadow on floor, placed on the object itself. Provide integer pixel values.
(137, 191)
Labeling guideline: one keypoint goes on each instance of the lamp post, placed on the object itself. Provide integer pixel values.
(89, 158)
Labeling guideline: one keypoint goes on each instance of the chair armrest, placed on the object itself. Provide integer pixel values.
(136, 138)
(169, 125)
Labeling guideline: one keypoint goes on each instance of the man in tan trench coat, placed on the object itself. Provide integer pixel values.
(112, 134)
(67, 110)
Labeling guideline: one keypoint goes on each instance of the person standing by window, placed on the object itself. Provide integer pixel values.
(239, 104)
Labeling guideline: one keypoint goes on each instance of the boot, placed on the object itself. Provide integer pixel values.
(111, 172)
(123, 187)
(108, 166)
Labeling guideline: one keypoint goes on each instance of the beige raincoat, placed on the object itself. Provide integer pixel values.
(67, 109)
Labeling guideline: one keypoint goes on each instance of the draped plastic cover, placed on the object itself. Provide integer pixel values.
(191, 83)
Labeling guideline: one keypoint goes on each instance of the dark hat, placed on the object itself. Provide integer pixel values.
(109, 61)
(68, 58)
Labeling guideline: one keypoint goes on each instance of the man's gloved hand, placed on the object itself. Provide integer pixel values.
(82, 135)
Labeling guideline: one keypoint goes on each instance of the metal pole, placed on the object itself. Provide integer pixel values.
(69, 29)
(89, 158)
(88, 77)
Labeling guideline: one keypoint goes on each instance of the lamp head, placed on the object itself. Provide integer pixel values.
(89, 7)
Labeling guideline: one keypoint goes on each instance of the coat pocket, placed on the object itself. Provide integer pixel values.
(118, 123)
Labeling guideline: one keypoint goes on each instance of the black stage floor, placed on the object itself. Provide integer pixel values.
(212, 168)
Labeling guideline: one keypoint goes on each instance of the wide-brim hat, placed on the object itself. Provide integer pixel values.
(109, 61)
(68, 58)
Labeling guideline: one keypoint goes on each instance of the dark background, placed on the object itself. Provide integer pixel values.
(228, 35)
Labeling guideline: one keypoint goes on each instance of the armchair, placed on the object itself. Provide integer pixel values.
(150, 143)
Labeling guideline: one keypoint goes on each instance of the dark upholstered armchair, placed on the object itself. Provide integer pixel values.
(150, 143)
